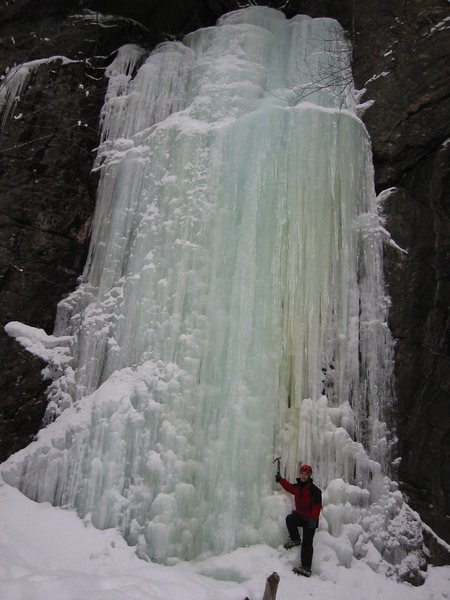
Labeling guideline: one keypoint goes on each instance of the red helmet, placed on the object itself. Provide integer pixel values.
(306, 469)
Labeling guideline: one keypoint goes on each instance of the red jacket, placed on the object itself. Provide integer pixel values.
(308, 498)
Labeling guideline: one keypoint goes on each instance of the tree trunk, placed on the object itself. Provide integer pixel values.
(271, 587)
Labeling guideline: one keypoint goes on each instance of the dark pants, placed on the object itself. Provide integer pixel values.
(293, 522)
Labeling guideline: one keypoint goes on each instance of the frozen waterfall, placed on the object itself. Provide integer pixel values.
(232, 308)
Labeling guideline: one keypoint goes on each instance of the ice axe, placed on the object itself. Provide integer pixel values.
(277, 460)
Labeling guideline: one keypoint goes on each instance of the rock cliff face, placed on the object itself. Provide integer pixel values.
(48, 192)
(408, 123)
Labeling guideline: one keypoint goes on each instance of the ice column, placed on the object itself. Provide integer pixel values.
(232, 306)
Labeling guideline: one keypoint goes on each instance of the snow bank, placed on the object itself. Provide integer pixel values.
(50, 348)
(47, 553)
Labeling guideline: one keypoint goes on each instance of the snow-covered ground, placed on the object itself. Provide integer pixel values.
(48, 553)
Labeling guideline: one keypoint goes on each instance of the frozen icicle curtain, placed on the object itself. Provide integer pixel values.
(234, 283)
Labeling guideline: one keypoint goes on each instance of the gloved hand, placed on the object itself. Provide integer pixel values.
(277, 477)
(312, 524)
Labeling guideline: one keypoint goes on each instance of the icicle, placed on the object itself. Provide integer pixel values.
(17, 79)
(119, 73)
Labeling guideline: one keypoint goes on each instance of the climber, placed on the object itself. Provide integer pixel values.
(308, 503)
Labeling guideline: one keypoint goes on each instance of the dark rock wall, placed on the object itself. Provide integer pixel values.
(47, 196)
(409, 126)
(47, 191)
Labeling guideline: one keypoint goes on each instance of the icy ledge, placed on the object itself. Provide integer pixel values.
(54, 350)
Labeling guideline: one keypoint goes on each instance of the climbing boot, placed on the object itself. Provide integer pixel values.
(291, 543)
(302, 571)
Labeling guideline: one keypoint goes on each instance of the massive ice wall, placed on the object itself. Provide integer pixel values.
(232, 308)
